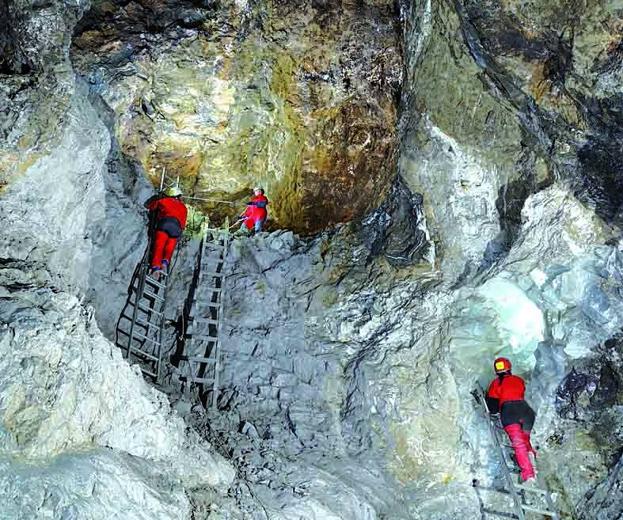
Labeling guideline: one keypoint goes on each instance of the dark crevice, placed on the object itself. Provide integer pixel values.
(595, 167)
(395, 230)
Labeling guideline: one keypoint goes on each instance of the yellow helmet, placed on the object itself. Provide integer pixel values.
(173, 191)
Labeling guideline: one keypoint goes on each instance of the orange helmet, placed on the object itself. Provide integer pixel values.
(501, 365)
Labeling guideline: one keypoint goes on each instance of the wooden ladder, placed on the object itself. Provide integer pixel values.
(141, 323)
(202, 350)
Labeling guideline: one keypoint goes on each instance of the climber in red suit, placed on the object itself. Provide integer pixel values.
(255, 215)
(506, 397)
(170, 220)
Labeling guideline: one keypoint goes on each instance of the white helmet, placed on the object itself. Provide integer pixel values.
(173, 191)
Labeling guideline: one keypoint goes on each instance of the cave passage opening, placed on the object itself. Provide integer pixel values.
(497, 319)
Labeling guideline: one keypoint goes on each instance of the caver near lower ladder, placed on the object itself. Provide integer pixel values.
(141, 323)
(530, 502)
(201, 360)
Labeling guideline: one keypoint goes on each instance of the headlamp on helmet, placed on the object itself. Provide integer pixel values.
(173, 191)
(501, 365)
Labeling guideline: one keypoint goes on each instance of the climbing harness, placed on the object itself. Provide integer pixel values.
(141, 323)
(520, 493)
(201, 359)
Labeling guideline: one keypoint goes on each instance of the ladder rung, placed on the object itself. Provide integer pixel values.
(198, 359)
(148, 372)
(139, 322)
(149, 309)
(543, 512)
(153, 295)
(149, 280)
(209, 321)
(147, 324)
(206, 305)
(153, 282)
(531, 489)
(139, 352)
(157, 342)
(210, 275)
(203, 337)
(211, 304)
(202, 379)
(211, 261)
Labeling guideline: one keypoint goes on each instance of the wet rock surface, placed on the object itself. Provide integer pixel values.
(299, 97)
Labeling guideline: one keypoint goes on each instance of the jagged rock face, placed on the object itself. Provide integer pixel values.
(82, 434)
(35, 36)
(530, 93)
(562, 65)
(36, 79)
(546, 265)
(299, 97)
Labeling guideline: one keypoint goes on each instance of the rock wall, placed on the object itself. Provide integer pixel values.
(83, 434)
(374, 364)
(299, 97)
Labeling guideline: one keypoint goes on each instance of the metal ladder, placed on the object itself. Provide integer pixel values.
(141, 323)
(202, 349)
(518, 492)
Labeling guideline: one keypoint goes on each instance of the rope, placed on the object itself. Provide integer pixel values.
(212, 200)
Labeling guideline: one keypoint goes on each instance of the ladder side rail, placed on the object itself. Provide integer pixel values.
(142, 273)
(161, 327)
(193, 309)
(219, 327)
(190, 312)
(548, 500)
(163, 306)
(137, 298)
(195, 369)
(203, 372)
(160, 334)
(202, 367)
(507, 474)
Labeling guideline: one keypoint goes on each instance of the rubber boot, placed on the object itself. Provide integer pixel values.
(531, 450)
(243, 231)
(518, 440)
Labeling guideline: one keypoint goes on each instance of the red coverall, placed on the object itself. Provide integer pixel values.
(506, 395)
(256, 213)
(171, 216)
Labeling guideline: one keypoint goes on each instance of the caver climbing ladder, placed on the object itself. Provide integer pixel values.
(202, 350)
(141, 323)
(521, 494)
